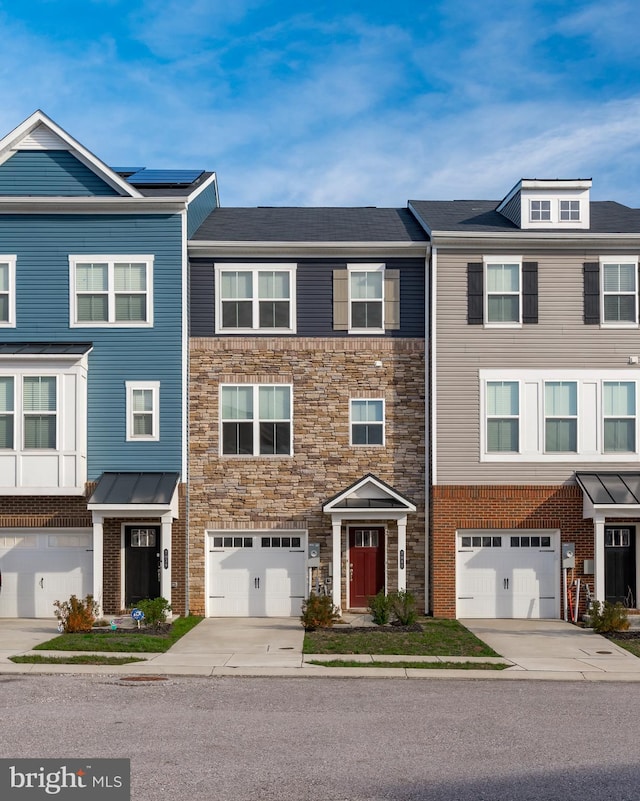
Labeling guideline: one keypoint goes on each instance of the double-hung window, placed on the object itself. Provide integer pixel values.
(40, 412)
(619, 293)
(367, 422)
(255, 298)
(366, 298)
(561, 417)
(503, 296)
(503, 417)
(569, 211)
(7, 291)
(7, 412)
(143, 410)
(111, 290)
(540, 210)
(619, 406)
(256, 420)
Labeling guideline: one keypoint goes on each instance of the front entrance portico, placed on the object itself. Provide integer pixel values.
(366, 508)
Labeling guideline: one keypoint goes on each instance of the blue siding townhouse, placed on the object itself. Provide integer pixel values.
(93, 373)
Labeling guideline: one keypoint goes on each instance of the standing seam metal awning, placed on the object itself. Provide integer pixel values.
(610, 489)
(140, 489)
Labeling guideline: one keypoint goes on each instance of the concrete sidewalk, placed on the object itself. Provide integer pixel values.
(547, 650)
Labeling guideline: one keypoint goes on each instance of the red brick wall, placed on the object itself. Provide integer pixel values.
(500, 507)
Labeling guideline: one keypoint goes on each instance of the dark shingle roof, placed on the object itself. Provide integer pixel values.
(45, 348)
(607, 217)
(296, 224)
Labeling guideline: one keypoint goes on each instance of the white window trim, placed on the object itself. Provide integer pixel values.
(154, 386)
(255, 268)
(614, 455)
(366, 268)
(546, 417)
(382, 423)
(539, 200)
(532, 417)
(618, 260)
(577, 219)
(11, 261)
(487, 262)
(485, 420)
(256, 424)
(110, 260)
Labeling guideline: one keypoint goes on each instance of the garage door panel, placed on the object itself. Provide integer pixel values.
(262, 578)
(508, 575)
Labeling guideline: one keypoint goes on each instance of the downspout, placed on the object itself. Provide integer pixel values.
(431, 264)
(185, 403)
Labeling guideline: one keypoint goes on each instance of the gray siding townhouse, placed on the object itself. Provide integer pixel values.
(307, 403)
(535, 400)
(93, 373)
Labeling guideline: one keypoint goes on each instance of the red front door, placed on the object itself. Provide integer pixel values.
(366, 564)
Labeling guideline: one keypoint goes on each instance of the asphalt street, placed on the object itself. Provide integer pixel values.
(236, 739)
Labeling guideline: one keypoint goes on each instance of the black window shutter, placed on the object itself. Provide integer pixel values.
(529, 292)
(475, 294)
(592, 293)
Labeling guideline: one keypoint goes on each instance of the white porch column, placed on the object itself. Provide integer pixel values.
(98, 551)
(402, 554)
(598, 557)
(336, 526)
(165, 556)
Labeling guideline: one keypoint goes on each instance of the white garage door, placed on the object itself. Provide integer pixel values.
(508, 574)
(39, 568)
(256, 575)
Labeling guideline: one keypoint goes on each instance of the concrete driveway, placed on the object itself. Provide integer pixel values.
(553, 645)
(22, 634)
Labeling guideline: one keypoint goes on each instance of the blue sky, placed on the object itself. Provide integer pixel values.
(338, 103)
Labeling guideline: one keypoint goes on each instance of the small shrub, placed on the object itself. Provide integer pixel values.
(607, 617)
(76, 614)
(155, 611)
(403, 606)
(318, 612)
(380, 608)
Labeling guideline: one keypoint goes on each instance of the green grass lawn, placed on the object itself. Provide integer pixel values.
(633, 646)
(128, 640)
(438, 638)
(409, 664)
(78, 659)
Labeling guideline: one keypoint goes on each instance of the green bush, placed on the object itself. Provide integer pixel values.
(155, 611)
(76, 614)
(403, 606)
(607, 617)
(318, 612)
(380, 608)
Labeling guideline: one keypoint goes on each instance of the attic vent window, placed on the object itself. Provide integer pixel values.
(540, 210)
(569, 210)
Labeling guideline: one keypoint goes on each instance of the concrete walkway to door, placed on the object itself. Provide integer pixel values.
(554, 647)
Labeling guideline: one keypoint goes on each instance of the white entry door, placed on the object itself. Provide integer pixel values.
(512, 574)
(41, 567)
(255, 575)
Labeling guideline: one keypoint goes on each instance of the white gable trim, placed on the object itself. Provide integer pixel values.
(40, 130)
(373, 488)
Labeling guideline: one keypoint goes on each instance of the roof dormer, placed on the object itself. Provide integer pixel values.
(548, 204)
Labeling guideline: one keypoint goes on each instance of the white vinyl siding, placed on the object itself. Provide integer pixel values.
(567, 415)
(111, 291)
(7, 291)
(255, 298)
(143, 410)
(503, 292)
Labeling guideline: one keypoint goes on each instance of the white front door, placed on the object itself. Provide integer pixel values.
(255, 575)
(39, 568)
(508, 574)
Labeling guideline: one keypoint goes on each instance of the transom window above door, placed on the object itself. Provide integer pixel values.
(255, 298)
(617, 537)
(365, 538)
(111, 291)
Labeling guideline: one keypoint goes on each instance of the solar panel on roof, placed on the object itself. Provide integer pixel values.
(185, 177)
(127, 170)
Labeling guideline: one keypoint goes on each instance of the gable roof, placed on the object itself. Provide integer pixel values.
(39, 132)
(481, 216)
(369, 493)
(310, 224)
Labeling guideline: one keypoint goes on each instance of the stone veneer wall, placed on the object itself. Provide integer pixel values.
(282, 492)
(501, 507)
